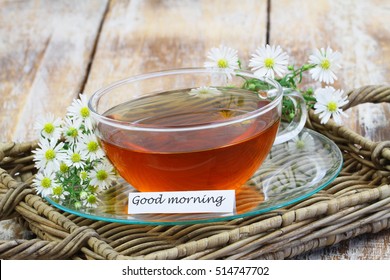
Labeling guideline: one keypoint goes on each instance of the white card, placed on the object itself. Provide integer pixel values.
(182, 202)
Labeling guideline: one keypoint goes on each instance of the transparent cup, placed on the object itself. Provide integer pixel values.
(192, 129)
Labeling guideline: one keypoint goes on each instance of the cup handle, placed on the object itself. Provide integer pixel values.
(290, 130)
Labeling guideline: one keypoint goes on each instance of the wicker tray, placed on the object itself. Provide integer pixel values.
(357, 202)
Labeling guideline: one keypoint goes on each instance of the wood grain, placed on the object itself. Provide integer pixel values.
(360, 31)
(45, 50)
(144, 36)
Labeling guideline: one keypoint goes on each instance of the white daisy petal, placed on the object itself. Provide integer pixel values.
(204, 92)
(75, 158)
(264, 72)
(223, 58)
(49, 127)
(49, 155)
(89, 144)
(72, 129)
(304, 142)
(325, 116)
(268, 61)
(79, 110)
(91, 201)
(44, 182)
(337, 118)
(326, 63)
(59, 193)
(102, 175)
(329, 103)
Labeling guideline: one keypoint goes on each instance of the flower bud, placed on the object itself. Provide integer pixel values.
(77, 205)
(252, 87)
(309, 91)
(83, 195)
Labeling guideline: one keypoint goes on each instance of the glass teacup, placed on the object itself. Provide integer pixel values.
(191, 129)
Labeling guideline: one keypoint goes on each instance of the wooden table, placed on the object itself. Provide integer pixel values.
(50, 51)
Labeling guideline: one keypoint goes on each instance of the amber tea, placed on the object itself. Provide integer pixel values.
(180, 141)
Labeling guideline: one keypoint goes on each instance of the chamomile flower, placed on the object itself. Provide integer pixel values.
(83, 195)
(49, 155)
(75, 158)
(77, 205)
(63, 168)
(329, 103)
(90, 145)
(72, 129)
(44, 183)
(204, 92)
(91, 201)
(66, 163)
(79, 110)
(326, 63)
(304, 142)
(49, 127)
(268, 61)
(59, 193)
(223, 58)
(102, 175)
(83, 176)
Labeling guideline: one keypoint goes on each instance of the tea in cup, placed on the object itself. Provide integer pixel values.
(190, 129)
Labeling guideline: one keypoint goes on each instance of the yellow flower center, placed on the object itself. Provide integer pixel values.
(84, 112)
(63, 167)
(92, 146)
(46, 183)
(101, 175)
(83, 195)
(48, 128)
(50, 154)
(93, 189)
(325, 64)
(300, 144)
(226, 113)
(332, 106)
(72, 132)
(91, 199)
(83, 175)
(58, 190)
(222, 63)
(75, 157)
(269, 62)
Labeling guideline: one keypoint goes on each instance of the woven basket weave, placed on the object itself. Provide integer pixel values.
(356, 202)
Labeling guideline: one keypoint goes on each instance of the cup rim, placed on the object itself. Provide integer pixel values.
(95, 97)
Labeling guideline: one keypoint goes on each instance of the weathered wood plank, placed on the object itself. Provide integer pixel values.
(143, 36)
(360, 31)
(45, 48)
(368, 246)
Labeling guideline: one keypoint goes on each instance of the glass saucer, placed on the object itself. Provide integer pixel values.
(292, 172)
